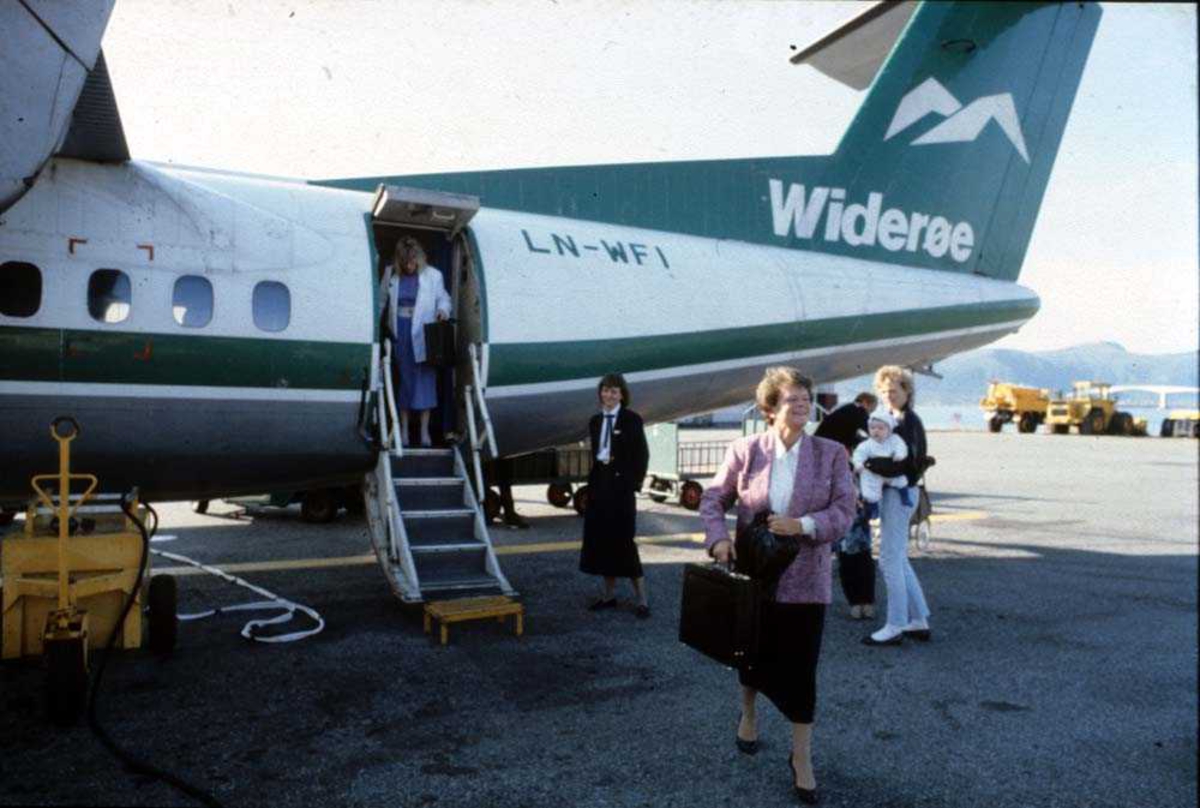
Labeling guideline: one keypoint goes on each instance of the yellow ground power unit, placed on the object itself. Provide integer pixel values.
(67, 574)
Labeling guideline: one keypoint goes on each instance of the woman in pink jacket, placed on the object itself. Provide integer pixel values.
(806, 485)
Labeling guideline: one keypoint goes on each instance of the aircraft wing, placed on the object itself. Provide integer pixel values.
(853, 52)
(51, 63)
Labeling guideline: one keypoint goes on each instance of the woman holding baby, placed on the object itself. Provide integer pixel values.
(907, 611)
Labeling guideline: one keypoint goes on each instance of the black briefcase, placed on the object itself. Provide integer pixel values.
(719, 616)
(439, 344)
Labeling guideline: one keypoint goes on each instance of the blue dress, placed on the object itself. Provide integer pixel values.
(418, 382)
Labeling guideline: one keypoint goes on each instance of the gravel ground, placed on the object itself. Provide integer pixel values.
(1062, 576)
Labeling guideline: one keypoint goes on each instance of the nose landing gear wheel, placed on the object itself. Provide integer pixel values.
(318, 506)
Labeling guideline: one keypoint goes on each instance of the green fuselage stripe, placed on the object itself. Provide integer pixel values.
(114, 357)
(532, 363)
(45, 354)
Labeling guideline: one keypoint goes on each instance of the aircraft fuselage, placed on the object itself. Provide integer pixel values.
(219, 399)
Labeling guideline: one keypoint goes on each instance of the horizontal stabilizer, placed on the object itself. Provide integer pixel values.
(853, 52)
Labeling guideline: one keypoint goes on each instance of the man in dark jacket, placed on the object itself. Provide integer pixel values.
(856, 570)
(843, 424)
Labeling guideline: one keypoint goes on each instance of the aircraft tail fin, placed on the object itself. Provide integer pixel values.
(944, 166)
(946, 162)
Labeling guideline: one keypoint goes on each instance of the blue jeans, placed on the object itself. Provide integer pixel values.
(905, 600)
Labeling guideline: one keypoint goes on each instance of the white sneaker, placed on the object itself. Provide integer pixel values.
(887, 634)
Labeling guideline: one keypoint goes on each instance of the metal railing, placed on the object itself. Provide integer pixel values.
(397, 551)
(476, 377)
(492, 564)
(391, 425)
(478, 438)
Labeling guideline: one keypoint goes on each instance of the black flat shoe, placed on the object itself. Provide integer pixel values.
(919, 634)
(871, 641)
(602, 604)
(746, 747)
(807, 796)
(642, 611)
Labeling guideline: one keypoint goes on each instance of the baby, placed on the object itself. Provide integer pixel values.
(882, 442)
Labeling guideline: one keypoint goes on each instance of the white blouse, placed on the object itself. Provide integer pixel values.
(605, 451)
(783, 482)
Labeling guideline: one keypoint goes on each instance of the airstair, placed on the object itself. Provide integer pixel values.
(426, 523)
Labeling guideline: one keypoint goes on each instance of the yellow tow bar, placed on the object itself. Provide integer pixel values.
(65, 639)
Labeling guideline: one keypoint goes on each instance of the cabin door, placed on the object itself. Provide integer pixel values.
(437, 221)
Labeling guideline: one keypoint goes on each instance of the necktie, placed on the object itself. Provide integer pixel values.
(606, 441)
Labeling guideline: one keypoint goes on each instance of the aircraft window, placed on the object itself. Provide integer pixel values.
(20, 289)
(192, 302)
(272, 306)
(109, 295)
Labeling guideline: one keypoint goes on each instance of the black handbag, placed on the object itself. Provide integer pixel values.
(439, 344)
(763, 555)
(719, 615)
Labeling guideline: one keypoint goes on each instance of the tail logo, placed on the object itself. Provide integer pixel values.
(961, 124)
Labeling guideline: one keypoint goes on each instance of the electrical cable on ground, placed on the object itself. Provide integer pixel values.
(251, 630)
(134, 764)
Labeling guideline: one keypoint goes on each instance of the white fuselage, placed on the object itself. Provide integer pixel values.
(226, 407)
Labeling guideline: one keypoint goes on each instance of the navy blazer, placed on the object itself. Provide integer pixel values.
(628, 452)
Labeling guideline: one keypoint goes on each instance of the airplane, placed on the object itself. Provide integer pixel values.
(218, 333)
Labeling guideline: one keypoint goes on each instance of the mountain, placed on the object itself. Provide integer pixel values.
(965, 377)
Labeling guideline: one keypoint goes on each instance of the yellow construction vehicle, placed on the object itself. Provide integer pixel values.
(1092, 410)
(1006, 402)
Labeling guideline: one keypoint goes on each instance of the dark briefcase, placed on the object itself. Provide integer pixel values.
(719, 616)
(439, 343)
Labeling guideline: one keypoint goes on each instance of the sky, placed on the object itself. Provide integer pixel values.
(367, 87)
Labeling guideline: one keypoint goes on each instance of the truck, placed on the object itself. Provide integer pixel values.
(1006, 402)
(1092, 410)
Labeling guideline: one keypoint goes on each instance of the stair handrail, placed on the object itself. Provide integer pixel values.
(480, 400)
(481, 530)
(476, 447)
(390, 442)
(398, 549)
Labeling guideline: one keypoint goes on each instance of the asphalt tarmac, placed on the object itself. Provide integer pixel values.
(1062, 576)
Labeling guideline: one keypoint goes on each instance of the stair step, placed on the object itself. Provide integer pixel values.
(461, 547)
(485, 582)
(439, 528)
(441, 569)
(429, 493)
(424, 463)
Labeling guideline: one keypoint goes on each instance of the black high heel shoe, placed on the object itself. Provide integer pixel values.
(745, 747)
(808, 796)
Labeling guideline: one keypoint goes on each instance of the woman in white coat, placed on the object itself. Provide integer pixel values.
(416, 296)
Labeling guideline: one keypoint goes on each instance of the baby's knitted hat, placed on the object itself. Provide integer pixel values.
(884, 416)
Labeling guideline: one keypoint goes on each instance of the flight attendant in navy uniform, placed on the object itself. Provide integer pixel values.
(619, 460)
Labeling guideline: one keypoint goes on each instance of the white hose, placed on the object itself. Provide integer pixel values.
(250, 630)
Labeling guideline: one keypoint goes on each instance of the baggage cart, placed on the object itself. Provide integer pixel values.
(675, 467)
